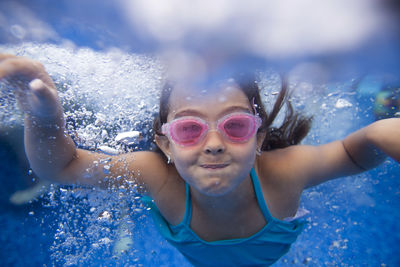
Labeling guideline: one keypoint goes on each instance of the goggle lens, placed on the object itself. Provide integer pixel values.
(238, 128)
(187, 131)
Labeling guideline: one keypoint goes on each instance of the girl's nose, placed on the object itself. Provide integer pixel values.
(214, 143)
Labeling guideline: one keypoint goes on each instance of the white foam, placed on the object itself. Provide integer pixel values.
(123, 86)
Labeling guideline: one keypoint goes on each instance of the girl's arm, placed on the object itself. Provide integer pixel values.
(51, 151)
(358, 152)
(369, 146)
(303, 166)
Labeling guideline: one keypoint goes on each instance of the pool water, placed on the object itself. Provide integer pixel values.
(352, 221)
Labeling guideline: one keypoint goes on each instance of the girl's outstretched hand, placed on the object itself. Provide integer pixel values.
(34, 89)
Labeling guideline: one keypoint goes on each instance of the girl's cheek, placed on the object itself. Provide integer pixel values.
(246, 156)
(183, 156)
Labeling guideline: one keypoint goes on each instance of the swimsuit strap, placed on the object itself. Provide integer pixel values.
(188, 209)
(260, 196)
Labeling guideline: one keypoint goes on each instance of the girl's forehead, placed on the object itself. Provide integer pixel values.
(210, 100)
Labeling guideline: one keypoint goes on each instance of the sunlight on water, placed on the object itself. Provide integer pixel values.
(267, 28)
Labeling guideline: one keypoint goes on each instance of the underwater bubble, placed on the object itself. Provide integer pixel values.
(105, 160)
(105, 241)
(128, 138)
(18, 31)
(63, 190)
(343, 103)
(105, 215)
(109, 150)
(138, 210)
(106, 169)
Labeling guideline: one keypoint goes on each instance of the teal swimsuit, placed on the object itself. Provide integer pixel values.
(261, 249)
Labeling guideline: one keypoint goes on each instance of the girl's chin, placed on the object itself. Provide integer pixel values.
(214, 188)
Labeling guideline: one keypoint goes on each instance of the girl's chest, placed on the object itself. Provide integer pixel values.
(241, 224)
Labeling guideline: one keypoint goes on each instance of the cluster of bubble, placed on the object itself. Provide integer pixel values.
(329, 104)
(93, 223)
(10, 116)
(103, 94)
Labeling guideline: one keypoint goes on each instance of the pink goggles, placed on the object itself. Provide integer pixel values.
(188, 131)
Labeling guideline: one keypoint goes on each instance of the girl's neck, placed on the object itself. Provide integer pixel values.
(230, 203)
(227, 216)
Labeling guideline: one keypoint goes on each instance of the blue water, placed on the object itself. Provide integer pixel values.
(353, 221)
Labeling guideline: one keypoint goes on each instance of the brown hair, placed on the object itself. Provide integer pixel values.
(294, 128)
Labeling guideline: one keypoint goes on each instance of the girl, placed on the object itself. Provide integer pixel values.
(225, 187)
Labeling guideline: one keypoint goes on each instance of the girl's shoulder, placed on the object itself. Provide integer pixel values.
(302, 166)
(279, 162)
(283, 168)
(279, 181)
(162, 183)
(147, 168)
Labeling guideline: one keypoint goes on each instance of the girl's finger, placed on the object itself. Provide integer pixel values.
(12, 67)
(41, 90)
(6, 56)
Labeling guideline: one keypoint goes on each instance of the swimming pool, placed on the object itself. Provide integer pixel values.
(352, 221)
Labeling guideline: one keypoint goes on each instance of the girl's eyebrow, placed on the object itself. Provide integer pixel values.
(197, 113)
(188, 112)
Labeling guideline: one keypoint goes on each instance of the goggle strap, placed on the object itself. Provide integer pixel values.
(254, 106)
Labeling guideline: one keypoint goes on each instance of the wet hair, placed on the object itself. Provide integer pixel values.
(293, 129)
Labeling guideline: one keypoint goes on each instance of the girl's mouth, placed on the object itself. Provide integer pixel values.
(214, 166)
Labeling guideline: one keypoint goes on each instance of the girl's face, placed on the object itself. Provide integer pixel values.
(215, 165)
